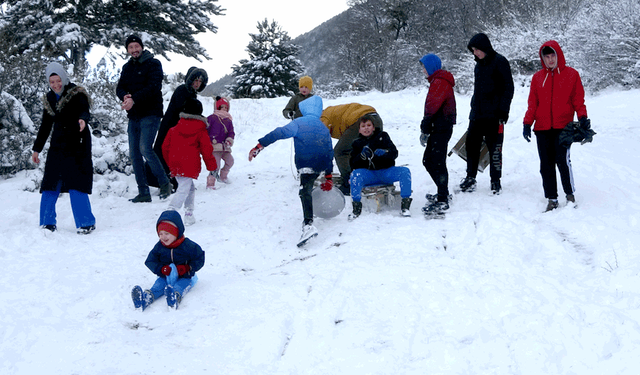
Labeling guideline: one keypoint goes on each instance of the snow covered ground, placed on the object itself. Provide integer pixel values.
(498, 287)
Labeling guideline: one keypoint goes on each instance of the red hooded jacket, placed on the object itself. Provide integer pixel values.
(440, 104)
(555, 95)
(184, 144)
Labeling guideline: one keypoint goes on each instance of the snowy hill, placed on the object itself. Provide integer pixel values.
(498, 287)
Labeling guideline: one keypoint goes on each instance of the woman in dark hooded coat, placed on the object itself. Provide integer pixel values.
(68, 167)
(194, 82)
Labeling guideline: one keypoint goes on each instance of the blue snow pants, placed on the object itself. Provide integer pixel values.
(367, 177)
(182, 286)
(80, 206)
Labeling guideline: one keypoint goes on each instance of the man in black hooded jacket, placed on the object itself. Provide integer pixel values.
(492, 94)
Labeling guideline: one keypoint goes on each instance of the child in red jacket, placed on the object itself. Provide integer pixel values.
(181, 149)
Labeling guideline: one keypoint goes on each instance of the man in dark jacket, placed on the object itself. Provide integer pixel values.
(140, 89)
(492, 94)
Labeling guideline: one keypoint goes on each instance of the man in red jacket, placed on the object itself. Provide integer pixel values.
(556, 94)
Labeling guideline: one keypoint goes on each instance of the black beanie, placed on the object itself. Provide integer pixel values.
(133, 39)
(192, 107)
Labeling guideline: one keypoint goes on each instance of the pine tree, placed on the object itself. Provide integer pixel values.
(68, 29)
(273, 69)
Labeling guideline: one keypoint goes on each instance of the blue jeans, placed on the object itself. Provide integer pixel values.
(182, 286)
(142, 132)
(366, 177)
(80, 206)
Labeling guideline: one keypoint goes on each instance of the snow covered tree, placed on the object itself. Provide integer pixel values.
(68, 29)
(273, 69)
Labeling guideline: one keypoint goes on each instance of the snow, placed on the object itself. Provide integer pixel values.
(497, 287)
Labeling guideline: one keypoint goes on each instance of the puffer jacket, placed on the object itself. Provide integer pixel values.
(440, 104)
(220, 131)
(555, 95)
(188, 252)
(377, 140)
(311, 138)
(339, 117)
(184, 144)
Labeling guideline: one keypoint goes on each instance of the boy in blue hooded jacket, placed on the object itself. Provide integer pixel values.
(313, 155)
(175, 259)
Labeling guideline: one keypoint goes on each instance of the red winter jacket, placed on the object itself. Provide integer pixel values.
(184, 144)
(555, 95)
(440, 104)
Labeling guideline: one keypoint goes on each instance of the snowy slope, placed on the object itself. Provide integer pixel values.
(498, 287)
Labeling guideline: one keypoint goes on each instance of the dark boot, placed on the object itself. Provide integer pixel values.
(141, 198)
(165, 190)
(404, 206)
(357, 210)
(468, 184)
(551, 205)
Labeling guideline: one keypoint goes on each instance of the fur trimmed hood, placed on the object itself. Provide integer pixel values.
(69, 92)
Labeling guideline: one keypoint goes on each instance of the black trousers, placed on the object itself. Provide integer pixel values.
(492, 133)
(306, 186)
(435, 161)
(553, 155)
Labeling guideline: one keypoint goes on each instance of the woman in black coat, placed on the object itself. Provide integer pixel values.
(194, 82)
(68, 167)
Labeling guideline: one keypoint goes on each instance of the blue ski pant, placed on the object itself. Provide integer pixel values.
(142, 133)
(80, 206)
(367, 177)
(182, 286)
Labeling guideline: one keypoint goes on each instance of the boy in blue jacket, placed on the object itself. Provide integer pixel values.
(175, 259)
(313, 155)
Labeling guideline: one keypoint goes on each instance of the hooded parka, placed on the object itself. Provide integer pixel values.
(555, 94)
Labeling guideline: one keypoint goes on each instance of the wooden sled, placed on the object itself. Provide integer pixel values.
(381, 196)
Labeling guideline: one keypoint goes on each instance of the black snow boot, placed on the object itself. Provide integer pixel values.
(357, 210)
(404, 206)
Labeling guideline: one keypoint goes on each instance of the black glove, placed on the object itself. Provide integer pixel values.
(526, 132)
(424, 138)
(585, 123)
(503, 117)
(426, 126)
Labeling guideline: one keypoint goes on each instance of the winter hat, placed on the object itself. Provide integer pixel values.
(169, 227)
(220, 102)
(57, 69)
(306, 81)
(192, 107)
(133, 39)
(431, 63)
(547, 51)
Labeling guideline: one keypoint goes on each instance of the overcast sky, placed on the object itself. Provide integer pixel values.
(228, 45)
